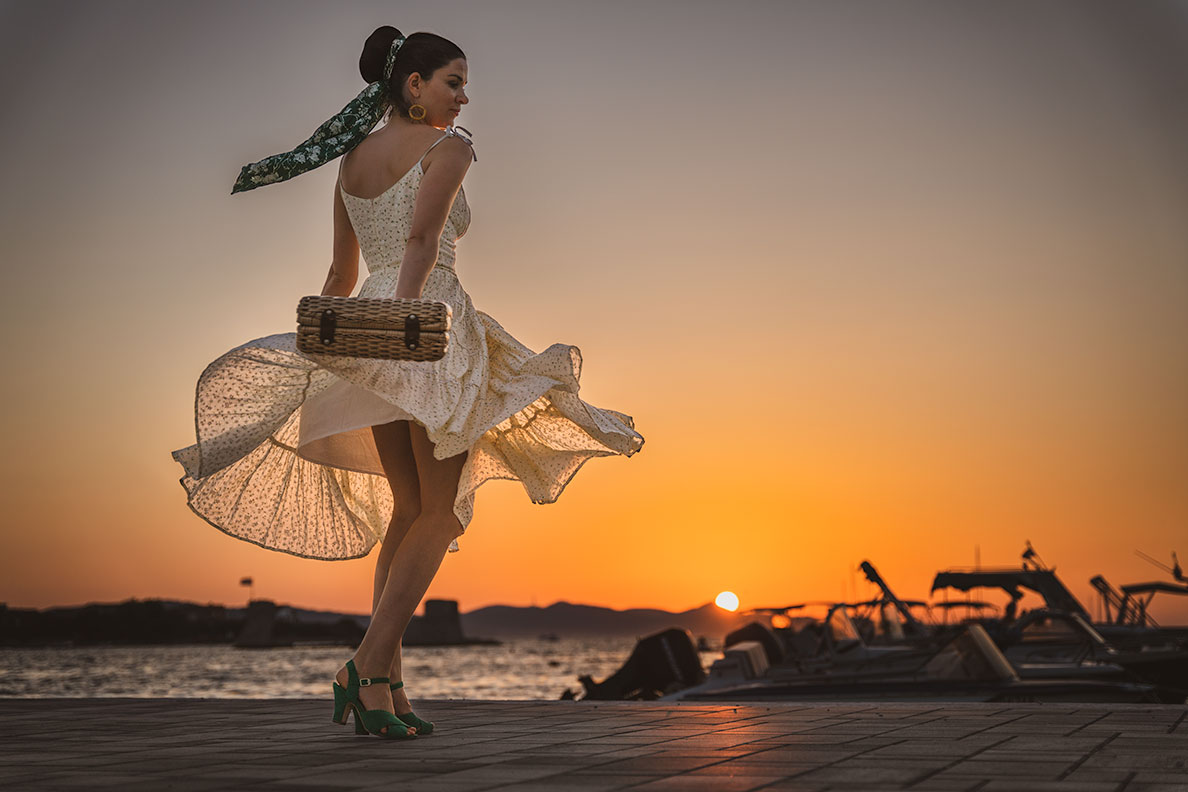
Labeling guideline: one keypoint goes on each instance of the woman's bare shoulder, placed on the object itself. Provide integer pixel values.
(452, 149)
(457, 144)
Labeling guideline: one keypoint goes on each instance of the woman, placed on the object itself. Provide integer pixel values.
(323, 456)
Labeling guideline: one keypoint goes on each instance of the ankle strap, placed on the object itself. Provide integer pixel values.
(354, 681)
(365, 681)
(396, 685)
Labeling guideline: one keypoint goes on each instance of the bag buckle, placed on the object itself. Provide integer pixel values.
(412, 331)
(328, 326)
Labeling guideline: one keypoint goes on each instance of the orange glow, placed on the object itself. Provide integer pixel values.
(933, 302)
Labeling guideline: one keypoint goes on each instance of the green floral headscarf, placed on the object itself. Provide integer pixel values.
(334, 138)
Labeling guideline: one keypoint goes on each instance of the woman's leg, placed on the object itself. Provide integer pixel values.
(413, 568)
(396, 455)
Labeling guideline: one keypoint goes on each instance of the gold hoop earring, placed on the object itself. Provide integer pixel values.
(415, 114)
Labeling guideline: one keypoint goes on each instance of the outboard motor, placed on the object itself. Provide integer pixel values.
(758, 631)
(659, 664)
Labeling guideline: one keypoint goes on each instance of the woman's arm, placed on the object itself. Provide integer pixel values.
(435, 198)
(344, 267)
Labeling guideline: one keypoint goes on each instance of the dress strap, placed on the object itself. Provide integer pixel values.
(452, 132)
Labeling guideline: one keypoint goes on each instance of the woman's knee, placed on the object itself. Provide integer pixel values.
(398, 528)
(442, 522)
(406, 505)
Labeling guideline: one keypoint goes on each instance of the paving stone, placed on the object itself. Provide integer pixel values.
(242, 775)
(1154, 776)
(719, 754)
(991, 769)
(79, 780)
(925, 748)
(1156, 757)
(843, 774)
(945, 785)
(804, 753)
(715, 783)
(999, 785)
(1083, 773)
(919, 766)
(175, 785)
(740, 767)
(573, 783)
(804, 739)
(665, 764)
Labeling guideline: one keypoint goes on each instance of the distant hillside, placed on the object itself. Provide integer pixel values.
(171, 621)
(568, 620)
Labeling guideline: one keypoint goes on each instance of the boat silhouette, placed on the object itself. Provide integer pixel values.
(889, 648)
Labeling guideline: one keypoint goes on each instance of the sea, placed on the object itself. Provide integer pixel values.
(517, 669)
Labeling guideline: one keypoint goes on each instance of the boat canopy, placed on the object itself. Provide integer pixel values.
(1042, 581)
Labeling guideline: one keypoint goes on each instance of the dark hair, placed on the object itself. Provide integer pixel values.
(423, 53)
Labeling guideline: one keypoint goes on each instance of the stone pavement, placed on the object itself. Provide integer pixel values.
(195, 744)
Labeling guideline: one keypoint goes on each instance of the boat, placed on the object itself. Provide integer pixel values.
(889, 648)
(967, 667)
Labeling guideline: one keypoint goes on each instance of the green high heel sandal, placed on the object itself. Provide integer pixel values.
(422, 726)
(366, 721)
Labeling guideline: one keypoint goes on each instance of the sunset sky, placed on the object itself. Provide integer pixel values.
(897, 281)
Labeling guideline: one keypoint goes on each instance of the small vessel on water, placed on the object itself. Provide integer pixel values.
(659, 663)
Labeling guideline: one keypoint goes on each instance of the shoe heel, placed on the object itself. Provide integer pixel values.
(341, 700)
(359, 727)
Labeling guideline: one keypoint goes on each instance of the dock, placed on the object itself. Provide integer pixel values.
(192, 745)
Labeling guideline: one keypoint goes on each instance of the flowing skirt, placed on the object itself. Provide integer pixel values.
(285, 457)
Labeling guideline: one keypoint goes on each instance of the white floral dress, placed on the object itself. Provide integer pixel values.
(285, 457)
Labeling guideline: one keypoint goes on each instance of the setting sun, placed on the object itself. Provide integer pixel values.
(727, 600)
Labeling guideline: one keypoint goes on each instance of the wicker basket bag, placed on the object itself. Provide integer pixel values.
(368, 327)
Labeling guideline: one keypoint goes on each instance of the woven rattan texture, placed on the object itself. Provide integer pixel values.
(374, 328)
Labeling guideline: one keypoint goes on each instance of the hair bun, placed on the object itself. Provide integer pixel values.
(375, 52)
